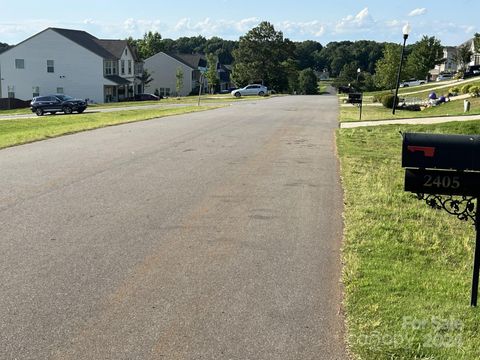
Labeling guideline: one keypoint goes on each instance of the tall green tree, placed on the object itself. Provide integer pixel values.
(425, 54)
(190, 45)
(145, 78)
(179, 80)
(348, 75)
(4, 47)
(463, 56)
(305, 53)
(211, 74)
(259, 57)
(150, 45)
(387, 67)
(476, 42)
(308, 82)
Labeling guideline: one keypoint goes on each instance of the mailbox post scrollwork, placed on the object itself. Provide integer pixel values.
(444, 171)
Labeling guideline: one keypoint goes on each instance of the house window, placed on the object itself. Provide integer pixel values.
(11, 91)
(50, 66)
(19, 63)
(35, 91)
(126, 52)
(165, 92)
(123, 67)
(139, 68)
(129, 67)
(110, 68)
(59, 90)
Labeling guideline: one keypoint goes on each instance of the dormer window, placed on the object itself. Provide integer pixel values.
(126, 53)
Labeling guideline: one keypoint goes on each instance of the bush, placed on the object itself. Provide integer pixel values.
(474, 91)
(454, 90)
(387, 101)
(465, 89)
(378, 97)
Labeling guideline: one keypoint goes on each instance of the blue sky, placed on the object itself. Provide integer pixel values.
(451, 22)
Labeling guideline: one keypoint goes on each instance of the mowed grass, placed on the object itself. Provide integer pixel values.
(21, 131)
(186, 100)
(369, 113)
(408, 267)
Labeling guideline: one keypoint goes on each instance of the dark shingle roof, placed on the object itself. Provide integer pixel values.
(108, 49)
(117, 79)
(86, 40)
(192, 60)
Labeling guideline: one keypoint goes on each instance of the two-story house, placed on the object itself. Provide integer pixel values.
(164, 68)
(70, 62)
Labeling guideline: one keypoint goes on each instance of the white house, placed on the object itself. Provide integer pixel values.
(163, 68)
(70, 62)
(449, 64)
(475, 59)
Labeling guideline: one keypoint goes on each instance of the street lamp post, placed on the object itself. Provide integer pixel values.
(358, 74)
(406, 30)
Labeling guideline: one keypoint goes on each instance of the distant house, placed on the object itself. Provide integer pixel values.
(70, 62)
(163, 68)
(449, 64)
(475, 59)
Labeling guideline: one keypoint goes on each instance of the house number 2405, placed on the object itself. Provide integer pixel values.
(439, 181)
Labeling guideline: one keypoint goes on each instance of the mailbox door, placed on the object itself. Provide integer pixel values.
(440, 151)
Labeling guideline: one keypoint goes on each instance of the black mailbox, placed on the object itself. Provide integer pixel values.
(441, 164)
(440, 151)
(355, 98)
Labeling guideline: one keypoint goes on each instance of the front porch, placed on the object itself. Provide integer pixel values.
(121, 89)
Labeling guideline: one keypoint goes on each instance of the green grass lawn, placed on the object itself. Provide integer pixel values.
(423, 91)
(208, 99)
(21, 131)
(452, 108)
(408, 267)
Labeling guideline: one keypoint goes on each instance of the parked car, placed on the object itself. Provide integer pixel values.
(473, 70)
(412, 82)
(443, 77)
(252, 89)
(146, 97)
(57, 103)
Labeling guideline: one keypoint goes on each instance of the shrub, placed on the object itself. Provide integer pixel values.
(387, 101)
(474, 91)
(454, 90)
(465, 89)
(378, 97)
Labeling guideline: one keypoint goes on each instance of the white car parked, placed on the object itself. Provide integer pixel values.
(412, 82)
(252, 89)
(443, 77)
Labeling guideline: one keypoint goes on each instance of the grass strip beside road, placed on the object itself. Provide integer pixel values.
(21, 131)
(408, 267)
(369, 113)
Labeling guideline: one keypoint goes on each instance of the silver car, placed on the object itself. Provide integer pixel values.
(252, 89)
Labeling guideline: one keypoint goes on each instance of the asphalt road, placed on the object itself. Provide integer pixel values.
(212, 235)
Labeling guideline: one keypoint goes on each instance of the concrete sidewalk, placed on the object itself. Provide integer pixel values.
(427, 120)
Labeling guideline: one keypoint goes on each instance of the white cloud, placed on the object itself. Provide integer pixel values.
(362, 21)
(418, 12)
(311, 28)
(209, 27)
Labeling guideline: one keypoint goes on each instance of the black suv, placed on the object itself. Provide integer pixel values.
(55, 103)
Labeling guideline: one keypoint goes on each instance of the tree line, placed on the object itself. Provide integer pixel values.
(264, 55)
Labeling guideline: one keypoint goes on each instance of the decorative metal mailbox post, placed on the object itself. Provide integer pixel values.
(444, 170)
